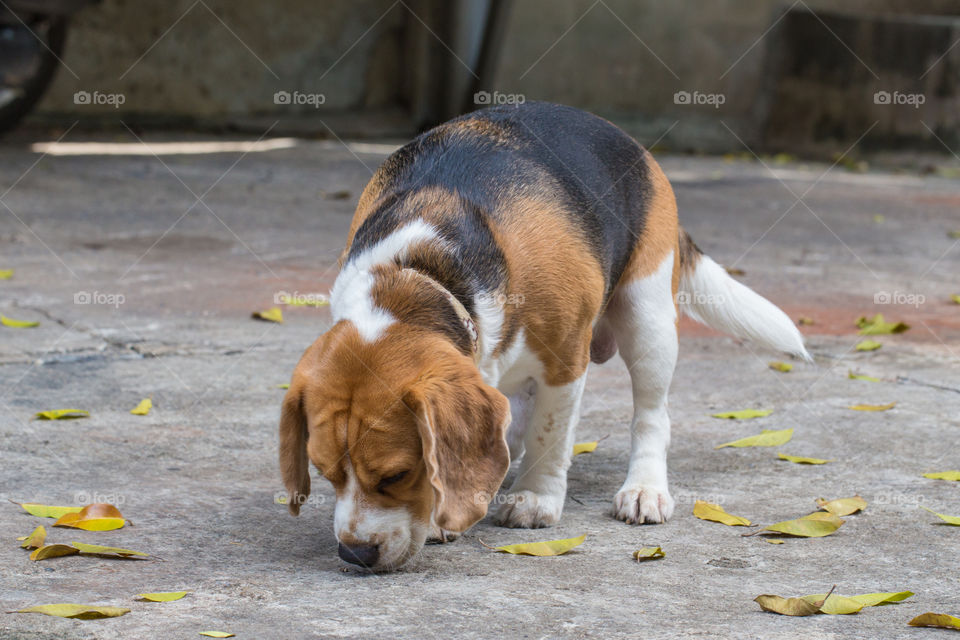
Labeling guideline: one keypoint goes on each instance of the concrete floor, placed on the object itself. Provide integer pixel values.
(198, 476)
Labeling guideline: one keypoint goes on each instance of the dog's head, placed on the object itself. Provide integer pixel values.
(404, 428)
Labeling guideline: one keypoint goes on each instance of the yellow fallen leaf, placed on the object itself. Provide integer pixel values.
(548, 548)
(873, 407)
(648, 553)
(802, 460)
(857, 376)
(954, 520)
(868, 345)
(744, 414)
(285, 385)
(46, 510)
(216, 634)
(765, 438)
(17, 324)
(834, 605)
(815, 525)
(943, 475)
(36, 538)
(715, 513)
(954, 234)
(98, 516)
(80, 611)
(163, 596)
(6, 274)
(143, 408)
(843, 506)
(735, 271)
(804, 321)
(53, 551)
(935, 620)
(772, 540)
(877, 326)
(62, 414)
(584, 447)
(877, 599)
(784, 367)
(955, 298)
(100, 550)
(273, 314)
(786, 606)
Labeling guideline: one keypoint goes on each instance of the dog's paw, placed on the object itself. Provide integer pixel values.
(645, 504)
(440, 536)
(529, 510)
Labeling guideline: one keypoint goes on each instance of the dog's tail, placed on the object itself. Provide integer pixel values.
(710, 296)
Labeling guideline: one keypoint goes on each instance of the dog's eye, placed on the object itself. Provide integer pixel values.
(397, 477)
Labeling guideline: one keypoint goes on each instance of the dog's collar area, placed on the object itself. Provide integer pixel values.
(468, 324)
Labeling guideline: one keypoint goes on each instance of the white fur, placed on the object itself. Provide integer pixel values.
(351, 298)
(396, 532)
(643, 319)
(709, 295)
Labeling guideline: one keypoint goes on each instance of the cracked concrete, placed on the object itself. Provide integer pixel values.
(198, 476)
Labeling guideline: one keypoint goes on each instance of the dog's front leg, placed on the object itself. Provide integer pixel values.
(537, 495)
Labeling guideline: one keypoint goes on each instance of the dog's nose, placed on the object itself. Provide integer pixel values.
(365, 555)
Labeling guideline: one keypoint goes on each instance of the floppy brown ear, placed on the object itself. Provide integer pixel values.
(294, 464)
(462, 423)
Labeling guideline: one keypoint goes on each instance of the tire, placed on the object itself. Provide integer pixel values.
(53, 31)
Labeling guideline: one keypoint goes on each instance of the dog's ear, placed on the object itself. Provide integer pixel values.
(462, 423)
(294, 464)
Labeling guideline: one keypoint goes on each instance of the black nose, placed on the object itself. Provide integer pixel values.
(365, 555)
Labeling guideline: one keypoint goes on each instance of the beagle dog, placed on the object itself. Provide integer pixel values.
(488, 263)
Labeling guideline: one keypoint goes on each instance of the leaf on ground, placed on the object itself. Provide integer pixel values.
(784, 367)
(815, 525)
(943, 475)
(143, 408)
(954, 234)
(868, 345)
(216, 634)
(585, 447)
(735, 271)
(163, 596)
(936, 620)
(873, 407)
(648, 553)
(548, 548)
(804, 321)
(744, 414)
(715, 513)
(858, 376)
(766, 438)
(53, 551)
(98, 516)
(954, 520)
(834, 605)
(877, 599)
(772, 540)
(17, 324)
(802, 460)
(273, 314)
(877, 326)
(285, 385)
(46, 510)
(62, 414)
(36, 538)
(786, 606)
(80, 611)
(6, 274)
(955, 298)
(842, 506)
(100, 550)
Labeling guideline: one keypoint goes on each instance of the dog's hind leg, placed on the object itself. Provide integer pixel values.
(643, 317)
